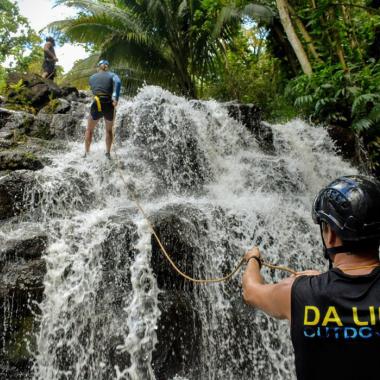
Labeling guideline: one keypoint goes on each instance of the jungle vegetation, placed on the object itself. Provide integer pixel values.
(314, 58)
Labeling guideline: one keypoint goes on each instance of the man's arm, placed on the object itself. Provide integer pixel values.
(116, 88)
(273, 299)
(47, 47)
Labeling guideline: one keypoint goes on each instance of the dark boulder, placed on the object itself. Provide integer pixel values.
(16, 160)
(12, 188)
(30, 245)
(250, 116)
(70, 93)
(345, 140)
(15, 122)
(178, 227)
(178, 334)
(32, 90)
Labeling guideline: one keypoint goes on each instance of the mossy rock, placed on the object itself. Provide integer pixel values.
(15, 160)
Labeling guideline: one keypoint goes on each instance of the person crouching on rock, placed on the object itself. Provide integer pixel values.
(105, 87)
(335, 316)
(50, 59)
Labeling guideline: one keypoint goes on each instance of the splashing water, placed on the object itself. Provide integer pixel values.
(104, 305)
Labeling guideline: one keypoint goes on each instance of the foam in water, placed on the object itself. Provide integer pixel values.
(101, 308)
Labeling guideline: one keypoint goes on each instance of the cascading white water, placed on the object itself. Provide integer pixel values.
(101, 308)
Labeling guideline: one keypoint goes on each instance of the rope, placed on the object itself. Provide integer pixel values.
(166, 254)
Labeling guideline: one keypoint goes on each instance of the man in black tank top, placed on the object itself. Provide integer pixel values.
(334, 316)
(50, 59)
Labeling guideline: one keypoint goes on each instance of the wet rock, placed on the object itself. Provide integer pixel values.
(174, 150)
(122, 132)
(41, 127)
(178, 334)
(18, 278)
(30, 245)
(70, 93)
(15, 120)
(21, 287)
(56, 106)
(250, 116)
(179, 228)
(14, 160)
(118, 254)
(4, 116)
(63, 126)
(345, 140)
(32, 90)
(12, 187)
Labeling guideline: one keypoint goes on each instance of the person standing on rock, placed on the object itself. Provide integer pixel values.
(335, 316)
(50, 59)
(105, 87)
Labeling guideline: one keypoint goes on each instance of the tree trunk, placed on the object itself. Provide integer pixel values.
(280, 39)
(305, 34)
(337, 41)
(286, 22)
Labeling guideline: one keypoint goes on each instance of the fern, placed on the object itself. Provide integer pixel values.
(362, 124)
(305, 100)
(374, 115)
(363, 100)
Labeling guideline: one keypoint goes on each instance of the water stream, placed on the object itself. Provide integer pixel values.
(102, 311)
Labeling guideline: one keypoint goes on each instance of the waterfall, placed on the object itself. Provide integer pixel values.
(112, 307)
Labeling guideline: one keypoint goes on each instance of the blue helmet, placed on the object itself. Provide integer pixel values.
(103, 62)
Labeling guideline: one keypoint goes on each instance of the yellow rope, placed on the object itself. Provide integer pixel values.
(168, 257)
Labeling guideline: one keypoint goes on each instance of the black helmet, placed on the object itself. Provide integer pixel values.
(351, 206)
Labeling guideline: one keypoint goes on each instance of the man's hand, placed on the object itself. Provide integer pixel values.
(251, 253)
(114, 102)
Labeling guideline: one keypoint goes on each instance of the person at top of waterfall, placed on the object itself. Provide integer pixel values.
(50, 59)
(105, 87)
(334, 316)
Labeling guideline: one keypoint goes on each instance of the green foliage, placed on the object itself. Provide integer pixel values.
(17, 39)
(17, 97)
(168, 43)
(350, 99)
(250, 75)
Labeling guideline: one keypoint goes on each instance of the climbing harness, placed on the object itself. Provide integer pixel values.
(98, 104)
(166, 254)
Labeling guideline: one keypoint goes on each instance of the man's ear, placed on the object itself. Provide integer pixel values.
(332, 238)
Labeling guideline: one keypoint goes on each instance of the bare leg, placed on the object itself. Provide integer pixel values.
(45, 74)
(91, 124)
(109, 135)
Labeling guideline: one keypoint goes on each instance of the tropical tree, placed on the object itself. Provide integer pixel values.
(18, 42)
(171, 43)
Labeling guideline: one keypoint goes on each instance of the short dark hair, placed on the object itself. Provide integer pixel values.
(50, 39)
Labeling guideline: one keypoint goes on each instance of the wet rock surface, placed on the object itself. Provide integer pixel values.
(22, 271)
(12, 188)
(250, 116)
(16, 160)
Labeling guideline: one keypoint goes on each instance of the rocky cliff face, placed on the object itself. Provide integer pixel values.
(27, 139)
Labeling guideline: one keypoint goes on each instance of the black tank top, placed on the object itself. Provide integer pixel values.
(335, 326)
(47, 57)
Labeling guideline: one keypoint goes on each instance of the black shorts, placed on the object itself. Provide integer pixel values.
(49, 67)
(107, 111)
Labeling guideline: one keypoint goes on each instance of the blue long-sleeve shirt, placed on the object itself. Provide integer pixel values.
(105, 83)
